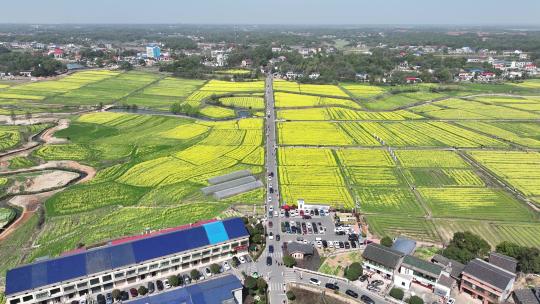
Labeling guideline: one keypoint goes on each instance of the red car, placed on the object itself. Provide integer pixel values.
(133, 292)
(270, 224)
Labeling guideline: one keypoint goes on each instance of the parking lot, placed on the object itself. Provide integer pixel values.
(154, 285)
(313, 228)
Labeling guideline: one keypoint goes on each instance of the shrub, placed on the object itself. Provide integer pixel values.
(195, 274)
(397, 293)
(354, 271)
(289, 261)
(415, 300)
(261, 284)
(290, 295)
(215, 268)
(116, 294)
(386, 241)
(174, 281)
(250, 282)
(142, 290)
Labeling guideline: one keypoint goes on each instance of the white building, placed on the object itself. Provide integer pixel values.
(126, 263)
(308, 207)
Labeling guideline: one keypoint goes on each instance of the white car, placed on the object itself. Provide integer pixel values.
(315, 281)
(271, 236)
(242, 260)
(276, 213)
(226, 266)
(270, 208)
(207, 272)
(282, 213)
(330, 244)
(319, 244)
(166, 284)
(451, 301)
(269, 199)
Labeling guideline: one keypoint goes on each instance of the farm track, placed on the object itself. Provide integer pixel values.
(498, 181)
(34, 199)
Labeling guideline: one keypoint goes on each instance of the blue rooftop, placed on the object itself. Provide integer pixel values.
(208, 292)
(404, 245)
(110, 257)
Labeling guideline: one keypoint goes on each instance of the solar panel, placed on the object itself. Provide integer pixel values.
(101, 259)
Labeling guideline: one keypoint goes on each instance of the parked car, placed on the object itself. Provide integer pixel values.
(187, 279)
(271, 249)
(271, 236)
(108, 298)
(269, 261)
(151, 287)
(207, 272)
(166, 284)
(242, 259)
(123, 295)
(451, 301)
(278, 237)
(270, 224)
(367, 299)
(377, 283)
(331, 286)
(351, 293)
(101, 298)
(133, 292)
(159, 285)
(363, 277)
(315, 281)
(226, 266)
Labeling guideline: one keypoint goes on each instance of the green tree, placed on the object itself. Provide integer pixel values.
(415, 300)
(195, 274)
(215, 268)
(290, 295)
(354, 271)
(397, 293)
(174, 281)
(261, 284)
(116, 294)
(250, 282)
(387, 241)
(142, 290)
(466, 246)
(289, 261)
(235, 262)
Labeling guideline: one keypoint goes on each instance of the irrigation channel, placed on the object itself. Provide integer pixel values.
(27, 201)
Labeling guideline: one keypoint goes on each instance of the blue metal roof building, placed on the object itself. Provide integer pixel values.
(404, 245)
(97, 260)
(214, 291)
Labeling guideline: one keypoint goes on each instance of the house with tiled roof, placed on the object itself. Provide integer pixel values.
(382, 260)
(486, 282)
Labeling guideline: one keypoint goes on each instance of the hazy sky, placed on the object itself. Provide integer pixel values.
(491, 12)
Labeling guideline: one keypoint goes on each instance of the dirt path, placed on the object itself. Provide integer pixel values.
(43, 186)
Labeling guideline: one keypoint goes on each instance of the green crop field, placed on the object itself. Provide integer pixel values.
(6, 215)
(144, 161)
(429, 183)
(423, 171)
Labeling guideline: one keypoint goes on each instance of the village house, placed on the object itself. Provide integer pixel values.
(299, 251)
(486, 282)
(381, 260)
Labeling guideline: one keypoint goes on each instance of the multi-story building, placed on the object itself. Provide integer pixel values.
(382, 260)
(153, 51)
(221, 290)
(125, 264)
(486, 282)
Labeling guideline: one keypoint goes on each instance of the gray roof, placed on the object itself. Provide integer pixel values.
(404, 245)
(445, 281)
(503, 261)
(489, 273)
(227, 185)
(293, 247)
(527, 296)
(229, 177)
(385, 256)
(455, 267)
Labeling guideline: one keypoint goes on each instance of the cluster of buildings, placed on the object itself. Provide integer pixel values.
(125, 263)
(489, 281)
